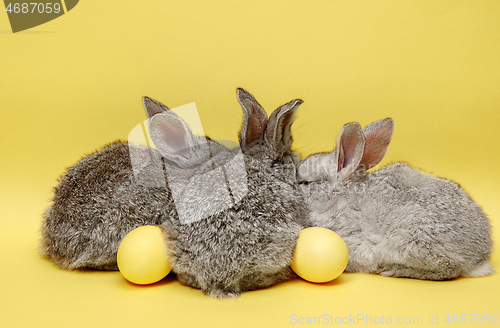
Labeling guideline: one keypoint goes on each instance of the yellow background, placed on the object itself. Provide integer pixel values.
(74, 84)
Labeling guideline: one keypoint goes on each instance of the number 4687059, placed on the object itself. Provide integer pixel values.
(471, 318)
(33, 7)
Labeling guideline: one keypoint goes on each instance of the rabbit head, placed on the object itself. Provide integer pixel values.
(263, 138)
(174, 139)
(356, 152)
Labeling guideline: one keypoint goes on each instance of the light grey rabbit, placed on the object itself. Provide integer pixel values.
(396, 221)
(231, 218)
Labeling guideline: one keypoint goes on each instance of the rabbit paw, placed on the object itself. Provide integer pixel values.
(219, 293)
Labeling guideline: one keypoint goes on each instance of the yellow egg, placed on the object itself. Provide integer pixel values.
(142, 255)
(320, 255)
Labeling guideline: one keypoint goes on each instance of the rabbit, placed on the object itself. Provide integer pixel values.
(249, 245)
(99, 200)
(230, 218)
(396, 221)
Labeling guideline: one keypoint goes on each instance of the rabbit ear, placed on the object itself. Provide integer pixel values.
(278, 135)
(350, 146)
(153, 107)
(254, 120)
(377, 138)
(172, 137)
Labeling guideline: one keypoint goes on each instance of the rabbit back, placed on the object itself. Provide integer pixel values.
(434, 229)
(96, 203)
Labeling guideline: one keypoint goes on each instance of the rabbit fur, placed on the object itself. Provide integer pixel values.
(230, 218)
(396, 221)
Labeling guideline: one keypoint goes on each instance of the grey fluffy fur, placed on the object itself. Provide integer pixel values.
(245, 246)
(396, 221)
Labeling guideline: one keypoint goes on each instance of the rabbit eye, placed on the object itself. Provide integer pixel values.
(279, 163)
(275, 164)
(304, 183)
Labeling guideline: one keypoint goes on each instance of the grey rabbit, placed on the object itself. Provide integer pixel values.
(231, 218)
(396, 221)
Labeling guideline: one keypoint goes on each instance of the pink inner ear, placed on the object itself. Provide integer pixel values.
(350, 144)
(350, 149)
(174, 137)
(284, 125)
(377, 141)
(340, 164)
(257, 122)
